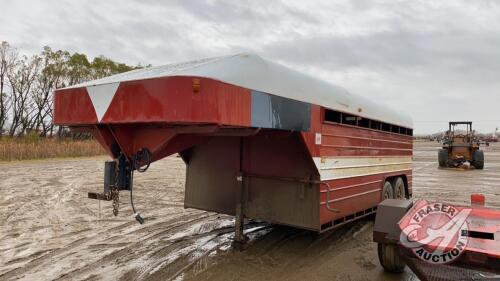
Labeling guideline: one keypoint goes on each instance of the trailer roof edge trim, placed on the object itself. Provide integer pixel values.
(255, 73)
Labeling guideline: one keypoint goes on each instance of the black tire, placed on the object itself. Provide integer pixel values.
(398, 186)
(443, 157)
(387, 191)
(389, 258)
(478, 159)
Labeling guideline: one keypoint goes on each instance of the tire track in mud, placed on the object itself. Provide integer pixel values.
(222, 236)
(285, 235)
(282, 251)
(154, 252)
(53, 253)
(141, 247)
(63, 193)
(29, 257)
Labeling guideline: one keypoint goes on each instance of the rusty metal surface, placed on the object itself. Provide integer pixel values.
(211, 175)
(278, 176)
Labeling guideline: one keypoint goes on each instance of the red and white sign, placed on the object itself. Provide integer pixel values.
(435, 232)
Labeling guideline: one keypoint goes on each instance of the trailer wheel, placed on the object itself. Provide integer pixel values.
(389, 258)
(399, 188)
(478, 159)
(387, 191)
(443, 157)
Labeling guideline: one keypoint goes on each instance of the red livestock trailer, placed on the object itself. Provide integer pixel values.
(259, 140)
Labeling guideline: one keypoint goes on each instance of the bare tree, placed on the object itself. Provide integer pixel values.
(8, 56)
(51, 77)
(27, 85)
(22, 77)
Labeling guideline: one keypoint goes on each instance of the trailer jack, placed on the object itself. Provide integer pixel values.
(119, 175)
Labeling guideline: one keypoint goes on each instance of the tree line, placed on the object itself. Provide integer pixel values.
(27, 84)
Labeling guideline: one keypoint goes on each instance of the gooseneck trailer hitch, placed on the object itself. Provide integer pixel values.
(119, 175)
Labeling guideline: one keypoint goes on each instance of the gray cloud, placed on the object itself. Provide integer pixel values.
(437, 60)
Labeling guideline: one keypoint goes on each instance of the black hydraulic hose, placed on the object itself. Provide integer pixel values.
(148, 160)
(131, 187)
(136, 214)
(140, 170)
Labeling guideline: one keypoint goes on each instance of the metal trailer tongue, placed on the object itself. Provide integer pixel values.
(439, 241)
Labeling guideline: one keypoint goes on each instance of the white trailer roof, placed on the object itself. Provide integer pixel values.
(255, 73)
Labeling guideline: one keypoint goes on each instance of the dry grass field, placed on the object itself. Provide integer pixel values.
(28, 148)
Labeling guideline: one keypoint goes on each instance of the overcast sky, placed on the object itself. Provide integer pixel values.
(436, 60)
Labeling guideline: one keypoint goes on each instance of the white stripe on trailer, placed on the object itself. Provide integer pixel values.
(348, 167)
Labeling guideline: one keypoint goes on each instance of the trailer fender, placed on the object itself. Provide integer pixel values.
(389, 213)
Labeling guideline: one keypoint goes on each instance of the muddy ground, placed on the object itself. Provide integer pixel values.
(49, 230)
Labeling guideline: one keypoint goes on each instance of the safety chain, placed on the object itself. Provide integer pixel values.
(115, 195)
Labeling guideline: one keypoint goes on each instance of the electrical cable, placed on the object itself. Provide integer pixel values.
(140, 154)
